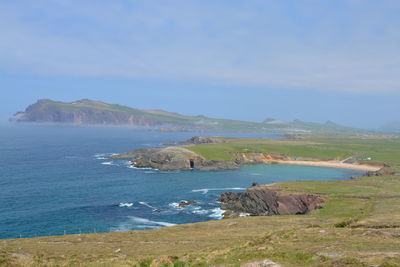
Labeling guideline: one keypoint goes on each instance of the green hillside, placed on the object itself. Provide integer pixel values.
(89, 112)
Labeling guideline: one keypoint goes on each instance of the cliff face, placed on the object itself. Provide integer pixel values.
(261, 201)
(89, 112)
(85, 112)
(172, 158)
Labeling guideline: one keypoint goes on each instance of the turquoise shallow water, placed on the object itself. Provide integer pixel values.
(56, 180)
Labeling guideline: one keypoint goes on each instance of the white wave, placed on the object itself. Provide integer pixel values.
(144, 221)
(200, 211)
(205, 190)
(137, 168)
(147, 205)
(255, 174)
(174, 205)
(108, 163)
(104, 155)
(125, 204)
(100, 156)
(217, 213)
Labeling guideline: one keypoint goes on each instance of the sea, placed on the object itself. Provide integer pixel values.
(57, 180)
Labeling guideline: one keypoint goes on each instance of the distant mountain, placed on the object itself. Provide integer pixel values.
(273, 121)
(327, 126)
(302, 126)
(89, 112)
(393, 126)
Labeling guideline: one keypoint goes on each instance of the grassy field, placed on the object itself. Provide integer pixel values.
(318, 147)
(358, 226)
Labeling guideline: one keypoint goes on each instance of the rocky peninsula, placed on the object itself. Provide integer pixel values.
(173, 158)
(180, 157)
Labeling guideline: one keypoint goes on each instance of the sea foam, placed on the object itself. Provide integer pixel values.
(125, 204)
(108, 163)
(174, 205)
(147, 205)
(104, 155)
(217, 213)
(205, 190)
(137, 168)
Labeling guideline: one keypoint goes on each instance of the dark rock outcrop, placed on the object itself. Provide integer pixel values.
(385, 171)
(180, 158)
(186, 203)
(262, 201)
(174, 158)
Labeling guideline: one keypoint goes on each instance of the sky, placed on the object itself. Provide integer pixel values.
(312, 60)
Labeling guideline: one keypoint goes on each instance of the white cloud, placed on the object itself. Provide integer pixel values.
(340, 48)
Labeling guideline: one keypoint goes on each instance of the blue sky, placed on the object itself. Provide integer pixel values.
(311, 60)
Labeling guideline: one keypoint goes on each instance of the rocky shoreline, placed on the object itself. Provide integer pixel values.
(258, 200)
(179, 158)
(174, 158)
(262, 201)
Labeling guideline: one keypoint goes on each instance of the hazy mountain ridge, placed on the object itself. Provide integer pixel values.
(90, 112)
(392, 126)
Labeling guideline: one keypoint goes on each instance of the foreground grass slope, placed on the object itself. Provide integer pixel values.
(358, 226)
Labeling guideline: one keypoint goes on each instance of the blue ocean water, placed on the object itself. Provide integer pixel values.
(56, 180)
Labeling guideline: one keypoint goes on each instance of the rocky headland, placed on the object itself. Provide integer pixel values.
(174, 158)
(262, 201)
(92, 112)
(181, 158)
